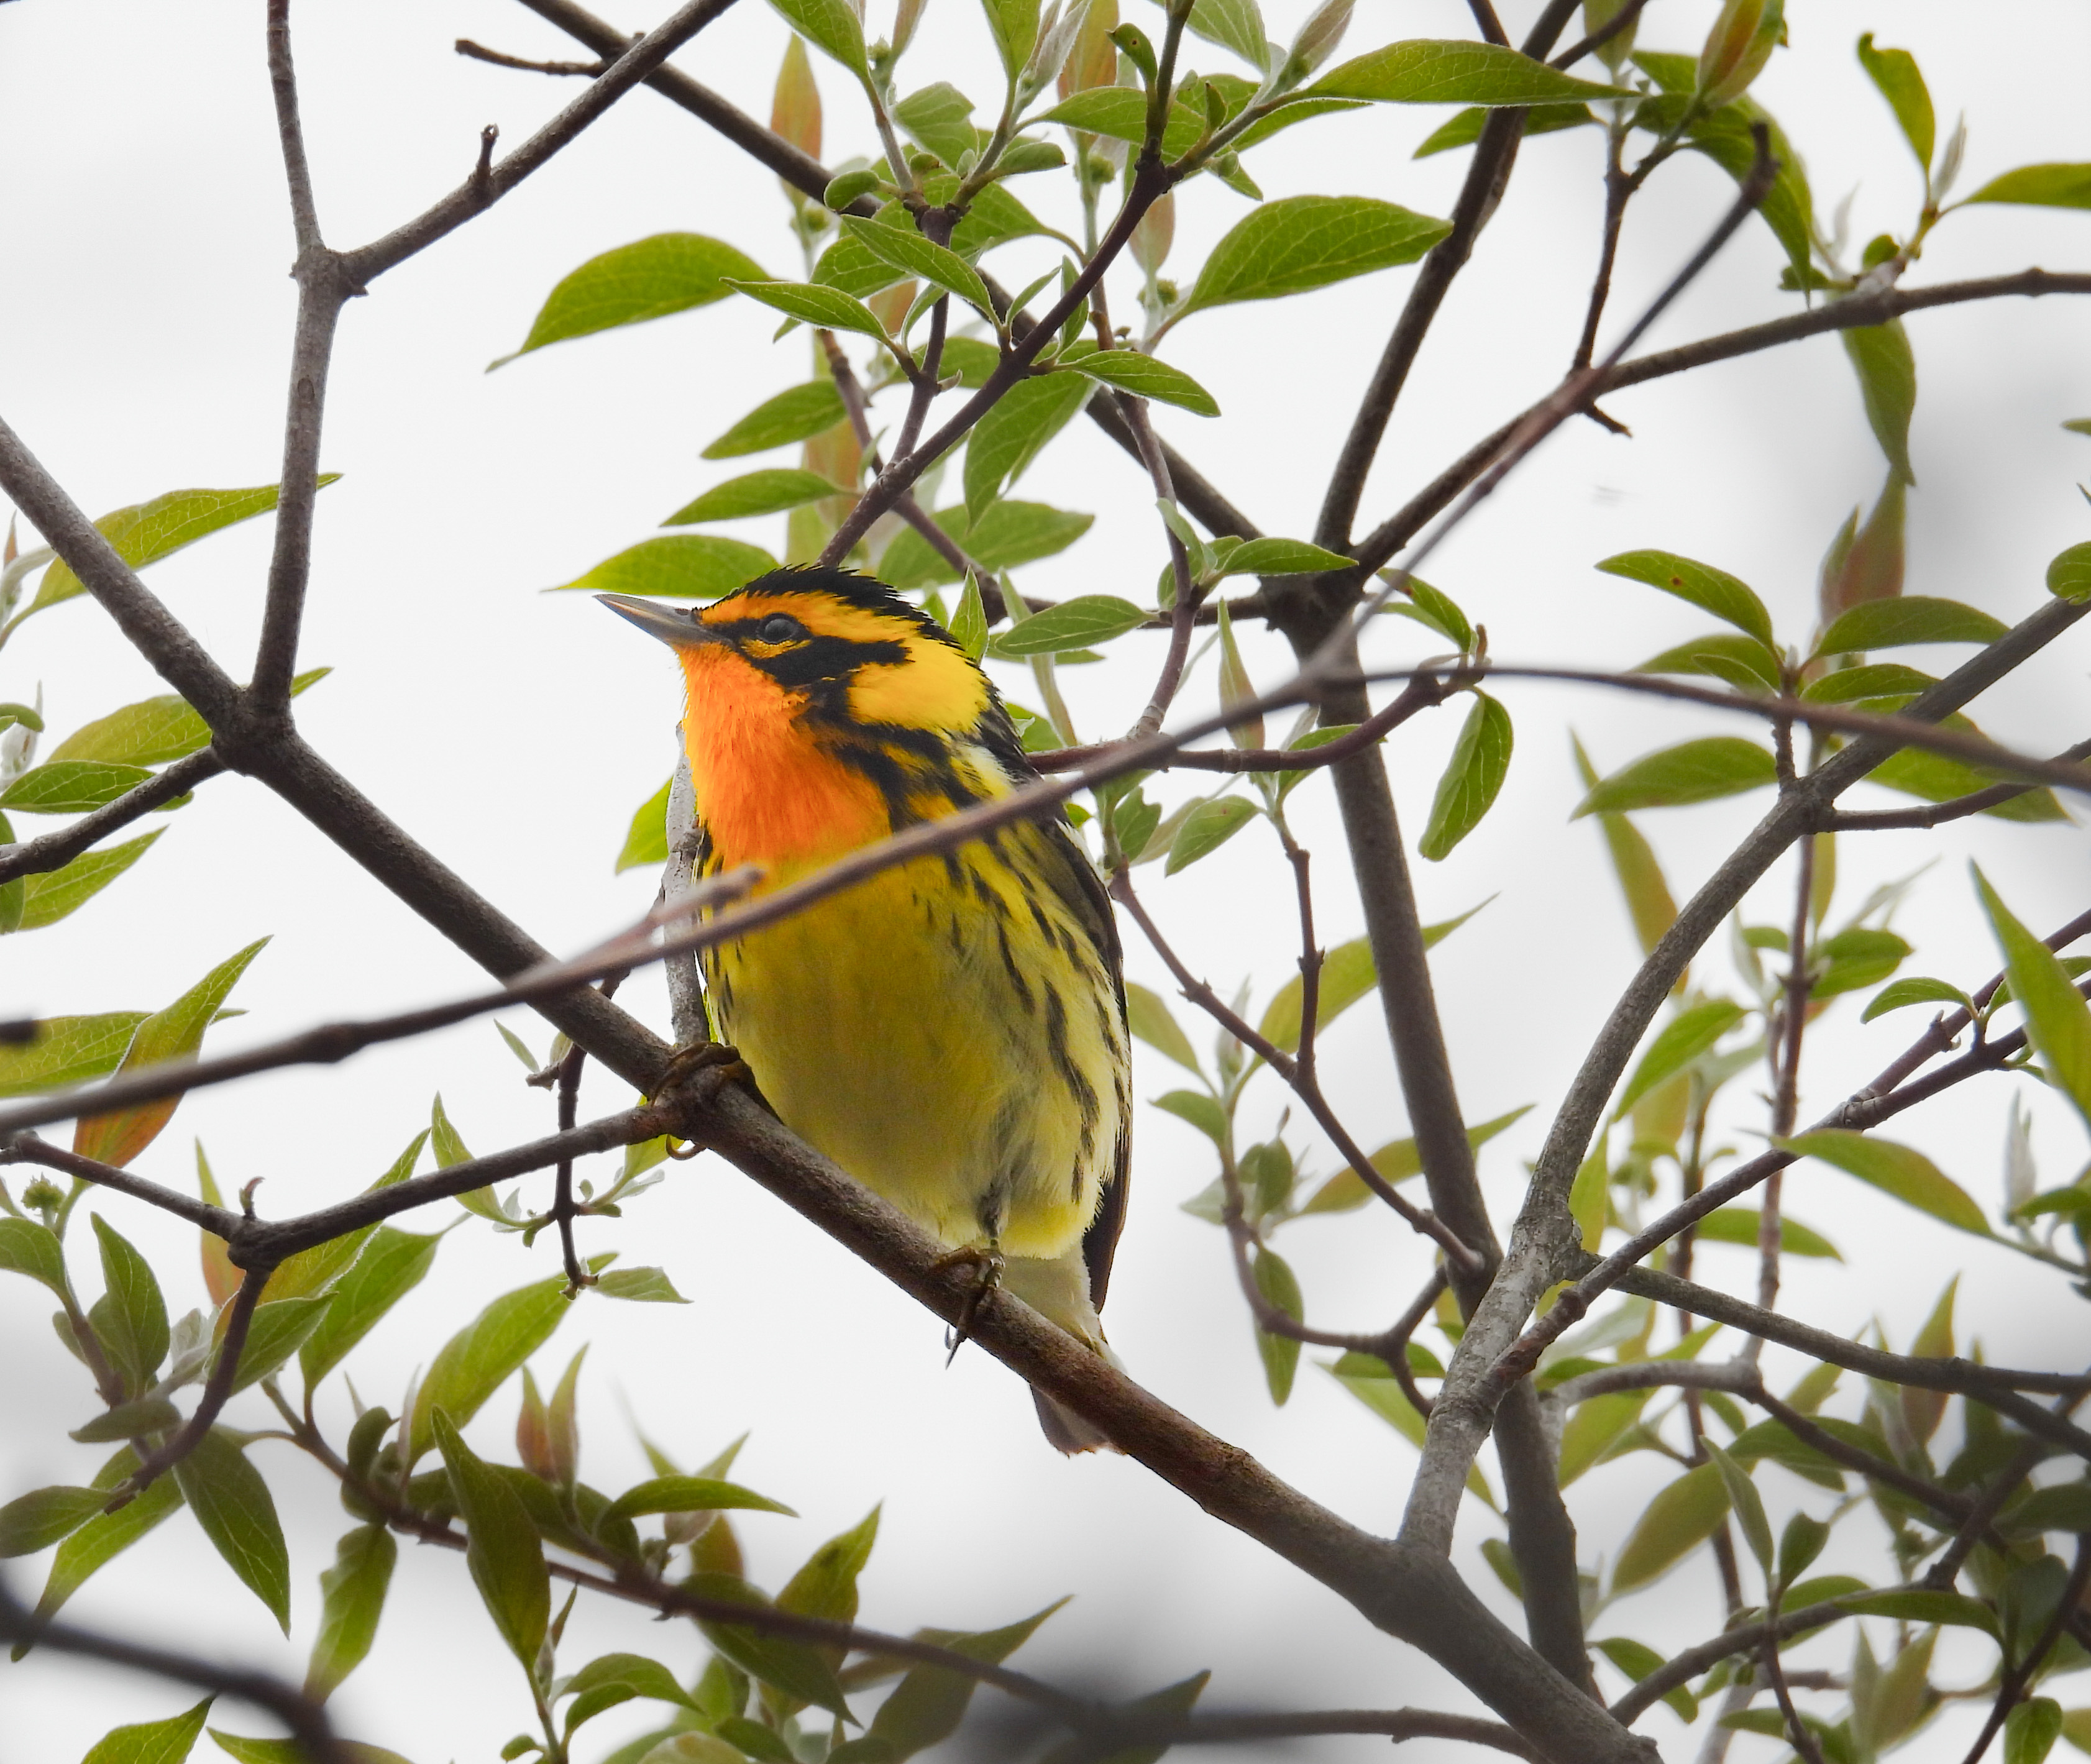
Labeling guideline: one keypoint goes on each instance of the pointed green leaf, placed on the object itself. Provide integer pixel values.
(1745, 1502)
(1014, 25)
(53, 895)
(928, 1704)
(1680, 1518)
(1281, 557)
(1463, 127)
(969, 625)
(617, 1678)
(502, 1549)
(232, 1503)
(1006, 534)
(1883, 685)
(151, 732)
(390, 1265)
(1880, 356)
(938, 118)
(1142, 375)
(37, 1521)
(2058, 1019)
(795, 415)
(351, 1600)
(1925, 1607)
(1079, 623)
(1682, 1040)
(1397, 1160)
(1743, 661)
(147, 531)
(1901, 1171)
(2031, 1730)
(1234, 24)
(649, 279)
(1152, 1021)
(1199, 1109)
(28, 1247)
(244, 1750)
(1895, 75)
(132, 1317)
(1455, 72)
(1015, 431)
(1739, 1225)
(1206, 829)
(643, 1285)
(1935, 778)
(692, 1495)
(646, 840)
(1295, 243)
(2048, 186)
(483, 1354)
(70, 787)
(756, 492)
(1473, 775)
(2069, 575)
(1883, 624)
(907, 249)
(1693, 771)
(831, 26)
(280, 1328)
(107, 1535)
(812, 303)
(1120, 113)
(151, 1742)
(67, 1049)
(790, 1667)
(1711, 590)
(685, 566)
(1917, 989)
(1280, 1287)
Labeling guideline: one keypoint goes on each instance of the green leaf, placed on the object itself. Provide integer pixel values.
(1935, 778)
(644, 1285)
(1154, 1022)
(1740, 1225)
(2031, 1730)
(1895, 75)
(2069, 575)
(132, 1317)
(2060, 1507)
(691, 1494)
(1234, 24)
(1693, 771)
(351, 1599)
(907, 249)
(152, 732)
(502, 1549)
(790, 1667)
(937, 117)
(686, 566)
(1463, 127)
(1680, 1518)
(1079, 623)
(390, 1265)
(617, 1678)
(141, 1415)
(27, 1247)
(1918, 988)
(649, 279)
(1206, 829)
(1481, 759)
(1888, 685)
(1014, 25)
(1142, 375)
(1743, 662)
(1280, 1287)
(1880, 356)
(483, 1354)
(1682, 1040)
(1012, 434)
(1711, 590)
(646, 840)
(1297, 243)
(927, 1705)
(2047, 187)
(813, 302)
(36, 1521)
(1281, 557)
(151, 1742)
(831, 26)
(1884, 624)
(968, 624)
(281, 1326)
(1397, 1162)
(1199, 1109)
(1120, 113)
(232, 1503)
(107, 1535)
(67, 1049)
(2058, 1019)
(1925, 1607)
(1385, 1398)
(70, 787)
(174, 1034)
(795, 415)
(1901, 1171)
(1636, 1659)
(147, 531)
(1008, 534)
(1799, 1545)
(1745, 1502)
(1457, 72)
(757, 492)
(53, 895)
(1648, 901)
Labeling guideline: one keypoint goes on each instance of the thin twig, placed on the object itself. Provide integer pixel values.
(465, 46)
(54, 851)
(224, 1371)
(2021, 1672)
(1184, 610)
(1939, 814)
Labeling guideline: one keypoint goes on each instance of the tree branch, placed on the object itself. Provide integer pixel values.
(54, 851)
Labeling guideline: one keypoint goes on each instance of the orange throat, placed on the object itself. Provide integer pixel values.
(766, 790)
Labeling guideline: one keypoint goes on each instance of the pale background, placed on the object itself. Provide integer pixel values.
(143, 329)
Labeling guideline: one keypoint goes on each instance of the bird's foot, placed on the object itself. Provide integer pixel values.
(986, 1261)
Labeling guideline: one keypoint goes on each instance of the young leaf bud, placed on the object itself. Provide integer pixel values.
(1737, 48)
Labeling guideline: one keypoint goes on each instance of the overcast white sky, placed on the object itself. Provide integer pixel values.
(144, 328)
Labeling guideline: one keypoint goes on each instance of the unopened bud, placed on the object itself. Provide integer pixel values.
(1093, 61)
(1737, 48)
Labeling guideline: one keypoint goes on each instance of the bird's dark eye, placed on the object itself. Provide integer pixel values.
(781, 627)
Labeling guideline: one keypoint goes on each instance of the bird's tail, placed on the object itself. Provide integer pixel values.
(1058, 1291)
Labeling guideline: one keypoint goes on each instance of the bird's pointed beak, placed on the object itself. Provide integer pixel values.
(676, 626)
